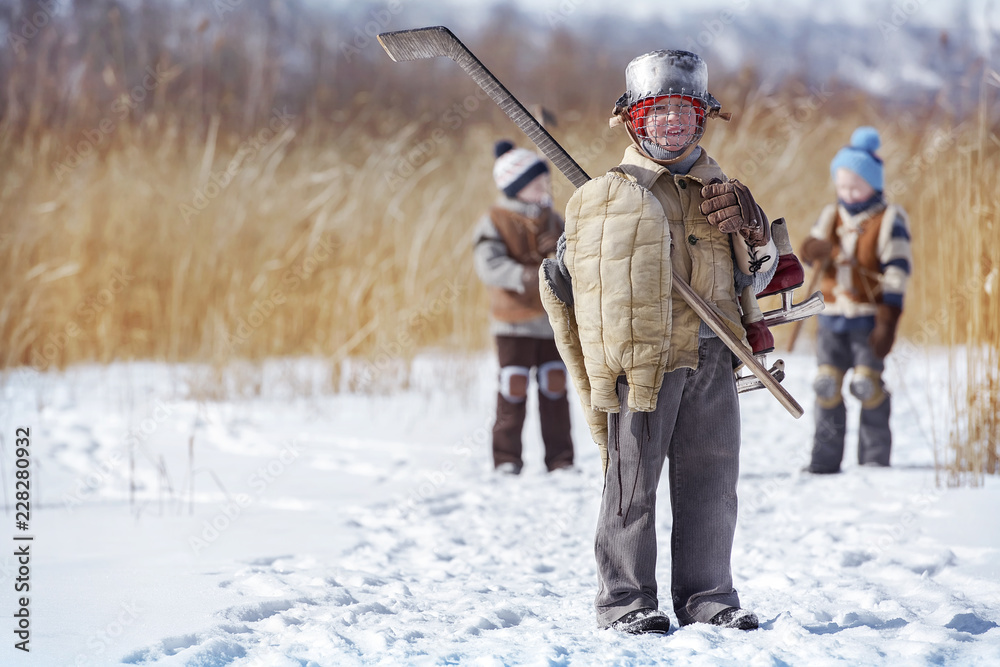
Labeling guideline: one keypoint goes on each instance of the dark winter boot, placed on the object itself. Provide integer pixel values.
(813, 469)
(736, 618)
(642, 621)
(509, 468)
(828, 440)
(553, 407)
(507, 432)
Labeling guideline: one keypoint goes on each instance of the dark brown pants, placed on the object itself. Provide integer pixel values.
(517, 356)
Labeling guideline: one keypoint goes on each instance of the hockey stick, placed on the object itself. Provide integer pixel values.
(421, 43)
(424, 43)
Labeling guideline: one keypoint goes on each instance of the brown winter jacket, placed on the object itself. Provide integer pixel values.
(870, 260)
(528, 242)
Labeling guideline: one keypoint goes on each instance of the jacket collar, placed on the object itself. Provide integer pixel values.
(646, 172)
(519, 207)
(855, 222)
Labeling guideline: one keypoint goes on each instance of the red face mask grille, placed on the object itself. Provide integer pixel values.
(672, 122)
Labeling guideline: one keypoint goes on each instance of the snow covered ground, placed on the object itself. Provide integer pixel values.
(299, 526)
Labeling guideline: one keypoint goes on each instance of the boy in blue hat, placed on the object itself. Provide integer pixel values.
(862, 247)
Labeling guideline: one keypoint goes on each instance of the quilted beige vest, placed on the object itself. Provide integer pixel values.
(624, 232)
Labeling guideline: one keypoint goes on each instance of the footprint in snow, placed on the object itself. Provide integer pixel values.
(258, 611)
(211, 652)
(970, 623)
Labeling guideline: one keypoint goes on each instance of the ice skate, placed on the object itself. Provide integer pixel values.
(788, 277)
(761, 342)
(745, 383)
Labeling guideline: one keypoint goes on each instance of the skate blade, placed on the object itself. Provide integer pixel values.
(750, 383)
(790, 312)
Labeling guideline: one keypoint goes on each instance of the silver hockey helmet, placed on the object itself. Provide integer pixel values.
(666, 102)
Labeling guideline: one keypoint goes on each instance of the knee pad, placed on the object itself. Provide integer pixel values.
(866, 386)
(514, 383)
(552, 379)
(827, 385)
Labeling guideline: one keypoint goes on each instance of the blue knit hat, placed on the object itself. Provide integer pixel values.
(860, 157)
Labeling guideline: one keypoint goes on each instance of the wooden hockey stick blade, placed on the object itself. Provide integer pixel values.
(437, 41)
(421, 43)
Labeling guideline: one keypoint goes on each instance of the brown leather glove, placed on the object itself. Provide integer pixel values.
(884, 333)
(731, 208)
(529, 278)
(547, 243)
(815, 250)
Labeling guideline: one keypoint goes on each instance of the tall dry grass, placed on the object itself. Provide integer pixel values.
(150, 253)
(962, 206)
(153, 205)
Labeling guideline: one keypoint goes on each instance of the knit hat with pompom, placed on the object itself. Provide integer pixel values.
(515, 167)
(860, 157)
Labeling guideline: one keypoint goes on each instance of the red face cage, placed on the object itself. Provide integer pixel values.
(672, 122)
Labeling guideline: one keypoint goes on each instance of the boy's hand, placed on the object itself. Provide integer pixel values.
(815, 250)
(547, 243)
(884, 334)
(529, 278)
(731, 208)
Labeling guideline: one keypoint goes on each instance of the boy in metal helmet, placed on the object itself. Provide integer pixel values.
(639, 353)
(668, 125)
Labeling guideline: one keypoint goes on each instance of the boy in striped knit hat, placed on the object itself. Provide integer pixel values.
(511, 240)
(862, 247)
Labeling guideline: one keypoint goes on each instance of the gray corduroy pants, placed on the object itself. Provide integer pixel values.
(696, 426)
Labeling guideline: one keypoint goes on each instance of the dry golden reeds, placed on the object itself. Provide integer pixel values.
(961, 209)
(201, 204)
